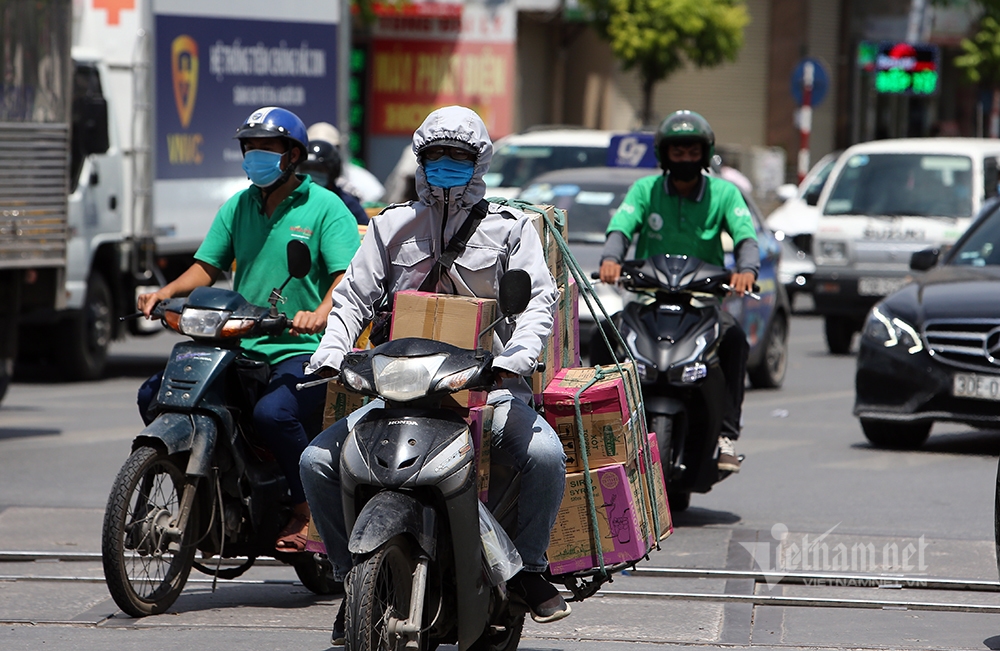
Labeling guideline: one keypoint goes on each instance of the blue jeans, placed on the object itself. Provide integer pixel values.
(517, 429)
(284, 418)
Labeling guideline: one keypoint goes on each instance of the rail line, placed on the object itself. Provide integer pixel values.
(878, 581)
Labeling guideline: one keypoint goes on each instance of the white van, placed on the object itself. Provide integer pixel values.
(884, 201)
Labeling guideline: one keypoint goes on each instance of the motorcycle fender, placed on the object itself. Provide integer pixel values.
(663, 405)
(389, 514)
(195, 433)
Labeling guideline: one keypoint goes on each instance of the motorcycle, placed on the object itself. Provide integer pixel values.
(421, 576)
(198, 477)
(674, 339)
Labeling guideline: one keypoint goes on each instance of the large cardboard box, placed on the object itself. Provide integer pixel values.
(571, 547)
(552, 357)
(456, 320)
(569, 319)
(340, 403)
(606, 413)
(659, 489)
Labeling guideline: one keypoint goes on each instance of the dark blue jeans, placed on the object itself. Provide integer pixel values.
(284, 418)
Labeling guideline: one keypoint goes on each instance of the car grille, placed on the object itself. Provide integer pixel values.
(972, 344)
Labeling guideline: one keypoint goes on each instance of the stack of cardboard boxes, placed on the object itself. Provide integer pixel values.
(615, 451)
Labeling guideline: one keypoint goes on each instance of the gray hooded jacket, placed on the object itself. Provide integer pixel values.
(403, 243)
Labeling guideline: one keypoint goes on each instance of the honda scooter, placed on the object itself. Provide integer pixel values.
(198, 477)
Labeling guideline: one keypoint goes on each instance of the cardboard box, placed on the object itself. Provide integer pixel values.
(571, 547)
(313, 542)
(606, 413)
(340, 403)
(569, 319)
(550, 245)
(552, 356)
(455, 320)
(480, 420)
(659, 489)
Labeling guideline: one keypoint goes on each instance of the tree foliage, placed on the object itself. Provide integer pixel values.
(657, 37)
(981, 58)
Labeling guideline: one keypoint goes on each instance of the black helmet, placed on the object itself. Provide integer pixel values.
(323, 160)
(274, 122)
(682, 127)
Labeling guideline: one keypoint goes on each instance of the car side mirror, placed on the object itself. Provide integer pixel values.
(299, 259)
(924, 260)
(515, 292)
(787, 191)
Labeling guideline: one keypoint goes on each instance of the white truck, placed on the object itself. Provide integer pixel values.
(171, 81)
(35, 128)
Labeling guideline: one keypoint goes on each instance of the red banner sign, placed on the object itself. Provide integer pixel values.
(422, 64)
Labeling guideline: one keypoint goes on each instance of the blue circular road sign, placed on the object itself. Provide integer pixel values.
(821, 81)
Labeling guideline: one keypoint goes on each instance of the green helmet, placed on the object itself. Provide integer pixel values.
(685, 126)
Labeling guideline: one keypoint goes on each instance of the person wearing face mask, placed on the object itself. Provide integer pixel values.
(251, 231)
(324, 167)
(401, 251)
(684, 212)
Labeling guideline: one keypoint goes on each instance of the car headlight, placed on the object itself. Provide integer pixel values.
(892, 331)
(202, 323)
(833, 250)
(404, 378)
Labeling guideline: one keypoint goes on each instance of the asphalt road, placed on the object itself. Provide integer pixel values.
(810, 482)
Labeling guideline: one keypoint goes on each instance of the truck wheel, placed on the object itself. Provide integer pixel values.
(89, 336)
(895, 436)
(6, 372)
(839, 332)
(770, 372)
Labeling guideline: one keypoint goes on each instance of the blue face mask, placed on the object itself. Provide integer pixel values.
(447, 172)
(262, 167)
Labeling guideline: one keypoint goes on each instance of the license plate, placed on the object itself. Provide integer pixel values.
(879, 286)
(982, 387)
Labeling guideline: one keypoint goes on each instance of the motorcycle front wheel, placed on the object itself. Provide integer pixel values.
(146, 561)
(376, 590)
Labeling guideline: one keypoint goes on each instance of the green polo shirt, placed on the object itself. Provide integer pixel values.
(244, 234)
(672, 224)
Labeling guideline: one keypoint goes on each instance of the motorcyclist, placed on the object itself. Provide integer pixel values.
(399, 251)
(323, 165)
(252, 230)
(684, 212)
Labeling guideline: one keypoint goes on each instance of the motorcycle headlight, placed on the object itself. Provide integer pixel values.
(400, 379)
(353, 380)
(892, 331)
(456, 381)
(202, 323)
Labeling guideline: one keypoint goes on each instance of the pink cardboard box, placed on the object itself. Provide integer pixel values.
(659, 490)
(571, 547)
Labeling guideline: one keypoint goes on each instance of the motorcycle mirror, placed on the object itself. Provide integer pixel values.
(515, 292)
(299, 259)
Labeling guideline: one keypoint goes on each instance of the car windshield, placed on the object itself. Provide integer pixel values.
(921, 185)
(591, 205)
(982, 248)
(815, 186)
(515, 165)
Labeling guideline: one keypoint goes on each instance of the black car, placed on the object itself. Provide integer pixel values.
(931, 351)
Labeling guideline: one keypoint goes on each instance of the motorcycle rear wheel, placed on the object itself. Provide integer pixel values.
(505, 639)
(377, 589)
(144, 566)
(316, 574)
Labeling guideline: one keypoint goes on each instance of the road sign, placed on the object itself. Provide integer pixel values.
(821, 81)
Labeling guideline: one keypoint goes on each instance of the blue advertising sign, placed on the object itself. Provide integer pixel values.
(632, 150)
(211, 73)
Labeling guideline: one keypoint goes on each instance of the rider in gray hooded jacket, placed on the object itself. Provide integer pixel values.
(401, 246)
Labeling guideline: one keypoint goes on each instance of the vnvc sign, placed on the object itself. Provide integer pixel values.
(902, 68)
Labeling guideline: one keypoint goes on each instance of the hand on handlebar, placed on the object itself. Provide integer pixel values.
(742, 283)
(308, 323)
(611, 271)
(146, 302)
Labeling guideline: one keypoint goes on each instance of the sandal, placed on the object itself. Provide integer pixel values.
(292, 538)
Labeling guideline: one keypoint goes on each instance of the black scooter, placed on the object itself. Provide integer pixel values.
(674, 338)
(198, 477)
(421, 576)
